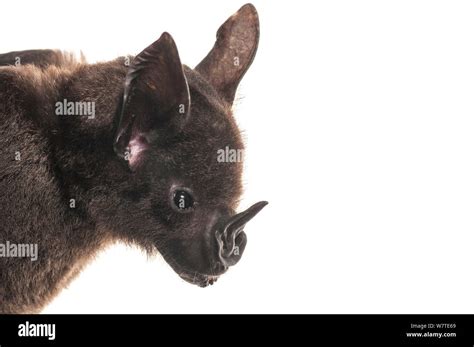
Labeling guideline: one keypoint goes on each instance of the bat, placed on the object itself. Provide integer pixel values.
(141, 149)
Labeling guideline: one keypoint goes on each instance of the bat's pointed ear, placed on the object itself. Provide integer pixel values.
(156, 101)
(233, 52)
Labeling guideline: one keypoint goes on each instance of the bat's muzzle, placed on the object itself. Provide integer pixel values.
(202, 259)
(230, 236)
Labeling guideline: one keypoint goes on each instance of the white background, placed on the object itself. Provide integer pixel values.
(359, 119)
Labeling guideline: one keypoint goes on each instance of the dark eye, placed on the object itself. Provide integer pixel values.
(183, 200)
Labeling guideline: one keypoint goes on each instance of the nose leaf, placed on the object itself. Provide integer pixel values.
(230, 236)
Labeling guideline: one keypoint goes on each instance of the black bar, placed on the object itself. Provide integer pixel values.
(324, 330)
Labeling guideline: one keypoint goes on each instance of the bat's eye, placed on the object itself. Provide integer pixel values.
(183, 200)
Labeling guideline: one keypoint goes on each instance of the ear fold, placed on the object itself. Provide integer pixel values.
(233, 52)
(156, 99)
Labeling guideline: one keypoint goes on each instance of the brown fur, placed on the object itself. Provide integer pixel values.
(72, 157)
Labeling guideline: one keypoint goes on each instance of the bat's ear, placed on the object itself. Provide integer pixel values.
(156, 101)
(233, 52)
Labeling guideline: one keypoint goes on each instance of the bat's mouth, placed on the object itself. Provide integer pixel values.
(198, 279)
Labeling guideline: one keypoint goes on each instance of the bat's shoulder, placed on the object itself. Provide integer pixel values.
(42, 58)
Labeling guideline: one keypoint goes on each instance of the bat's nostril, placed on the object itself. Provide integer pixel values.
(230, 251)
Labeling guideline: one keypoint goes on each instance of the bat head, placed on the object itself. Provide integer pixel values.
(176, 133)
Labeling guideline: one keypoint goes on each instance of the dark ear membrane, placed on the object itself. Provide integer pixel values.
(233, 52)
(156, 99)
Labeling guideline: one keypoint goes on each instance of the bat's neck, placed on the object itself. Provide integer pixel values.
(86, 107)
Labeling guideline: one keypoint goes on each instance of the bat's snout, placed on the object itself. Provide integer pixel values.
(230, 236)
(202, 259)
